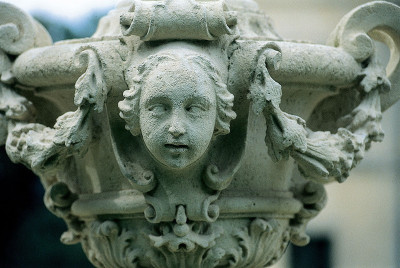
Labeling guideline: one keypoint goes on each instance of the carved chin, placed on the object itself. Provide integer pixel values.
(177, 163)
(176, 159)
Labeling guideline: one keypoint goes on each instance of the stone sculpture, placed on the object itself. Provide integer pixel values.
(170, 137)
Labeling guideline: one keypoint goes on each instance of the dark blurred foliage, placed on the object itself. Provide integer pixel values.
(30, 236)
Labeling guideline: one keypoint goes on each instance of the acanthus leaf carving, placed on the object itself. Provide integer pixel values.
(320, 155)
(108, 244)
(329, 155)
(45, 149)
(73, 129)
(91, 86)
(201, 258)
(91, 89)
(183, 235)
(334, 155)
(173, 238)
(165, 209)
(256, 244)
(285, 132)
(115, 245)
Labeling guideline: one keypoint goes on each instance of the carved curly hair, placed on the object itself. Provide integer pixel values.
(135, 77)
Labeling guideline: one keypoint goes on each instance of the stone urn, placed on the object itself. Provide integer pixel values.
(188, 133)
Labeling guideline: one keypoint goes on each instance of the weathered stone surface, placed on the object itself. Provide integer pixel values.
(175, 129)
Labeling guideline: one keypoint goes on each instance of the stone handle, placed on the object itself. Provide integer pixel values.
(355, 33)
(19, 31)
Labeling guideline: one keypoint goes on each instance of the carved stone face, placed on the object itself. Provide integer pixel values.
(177, 114)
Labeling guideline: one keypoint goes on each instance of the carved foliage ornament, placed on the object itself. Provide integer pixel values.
(172, 130)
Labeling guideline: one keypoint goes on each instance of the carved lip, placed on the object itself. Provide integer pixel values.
(177, 147)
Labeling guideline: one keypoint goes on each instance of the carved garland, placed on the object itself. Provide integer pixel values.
(319, 155)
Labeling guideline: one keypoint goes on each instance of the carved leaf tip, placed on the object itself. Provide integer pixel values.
(73, 129)
(264, 89)
(335, 155)
(91, 86)
(285, 133)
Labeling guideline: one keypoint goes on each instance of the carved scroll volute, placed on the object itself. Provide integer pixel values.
(178, 19)
(355, 33)
(332, 154)
(285, 132)
(19, 32)
(323, 156)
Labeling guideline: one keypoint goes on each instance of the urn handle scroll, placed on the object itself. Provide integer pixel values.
(323, 155)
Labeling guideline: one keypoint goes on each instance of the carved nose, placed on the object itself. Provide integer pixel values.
(176, 129)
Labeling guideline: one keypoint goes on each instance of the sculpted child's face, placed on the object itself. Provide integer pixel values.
(177, 114)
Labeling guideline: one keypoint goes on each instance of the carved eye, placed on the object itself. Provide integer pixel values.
(158, 108)
(195, 108)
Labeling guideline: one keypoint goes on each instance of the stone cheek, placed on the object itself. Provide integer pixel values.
(173, 138)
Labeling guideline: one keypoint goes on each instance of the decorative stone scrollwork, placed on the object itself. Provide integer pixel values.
(114, 245)
(313, 197)
(19, 31)
(174, 130)
(58, 199)
(255, 244)
(361, 126)
(111, 245)
(285, 132)
(156, 20)
(71, 133)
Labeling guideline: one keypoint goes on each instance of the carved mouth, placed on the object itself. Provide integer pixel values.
(176, 147)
